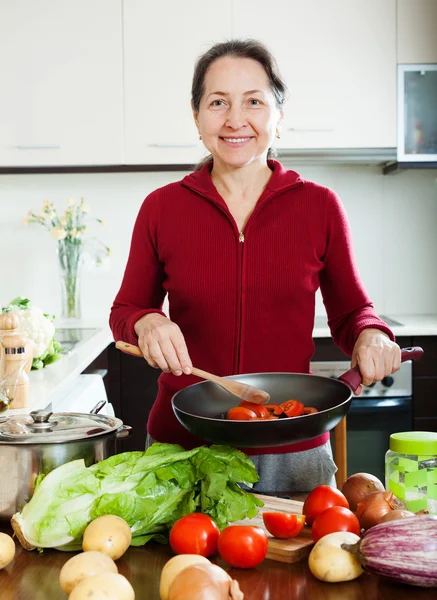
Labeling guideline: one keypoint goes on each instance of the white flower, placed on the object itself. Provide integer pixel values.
(71, 202)
(58, 233)
(63, 221)
(85, 208)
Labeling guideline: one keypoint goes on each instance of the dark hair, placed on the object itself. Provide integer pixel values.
(238, 49)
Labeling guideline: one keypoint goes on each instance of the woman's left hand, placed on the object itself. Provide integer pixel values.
(376, 355)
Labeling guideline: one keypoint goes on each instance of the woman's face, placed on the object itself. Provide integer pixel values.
(238, 117)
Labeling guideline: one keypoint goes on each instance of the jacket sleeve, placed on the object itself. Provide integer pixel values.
(347, 304)
(141, 290)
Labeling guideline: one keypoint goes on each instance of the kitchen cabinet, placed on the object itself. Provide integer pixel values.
(61, 66)
(160, 50)
(416, 31)
(425, 385)
(339, 61)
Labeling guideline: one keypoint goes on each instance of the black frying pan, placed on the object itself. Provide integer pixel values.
(201, 407)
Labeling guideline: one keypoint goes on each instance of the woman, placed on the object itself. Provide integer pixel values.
(241, 246)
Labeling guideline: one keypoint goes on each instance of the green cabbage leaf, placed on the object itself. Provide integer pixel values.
(150, 490)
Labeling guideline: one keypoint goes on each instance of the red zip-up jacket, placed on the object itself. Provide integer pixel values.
(245, 303)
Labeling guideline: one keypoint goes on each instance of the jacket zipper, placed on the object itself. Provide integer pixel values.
(239, 328)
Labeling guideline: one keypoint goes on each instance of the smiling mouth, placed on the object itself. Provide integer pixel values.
(240, 140)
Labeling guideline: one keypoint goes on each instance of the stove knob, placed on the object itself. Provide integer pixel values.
(388, 381)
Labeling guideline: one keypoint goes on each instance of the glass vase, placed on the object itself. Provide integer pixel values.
(70, 263)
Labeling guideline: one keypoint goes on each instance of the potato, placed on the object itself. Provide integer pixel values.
(109, 534)
(7, 550)
(106, 586)
(174, 566)
(329, 562)
(83, 565)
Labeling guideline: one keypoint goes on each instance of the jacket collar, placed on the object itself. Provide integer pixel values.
(280, 181)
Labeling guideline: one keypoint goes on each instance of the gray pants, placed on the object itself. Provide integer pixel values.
(292, 472)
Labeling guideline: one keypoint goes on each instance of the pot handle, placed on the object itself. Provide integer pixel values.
(353, 378)
(123, 432)
(98, 407)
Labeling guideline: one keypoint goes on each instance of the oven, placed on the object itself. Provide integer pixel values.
(381, 409)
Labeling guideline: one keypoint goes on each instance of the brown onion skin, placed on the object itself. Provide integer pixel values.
(204, 582)
(393, 515)
(358, 486)
(373, 507)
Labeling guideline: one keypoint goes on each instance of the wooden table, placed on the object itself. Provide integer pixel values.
(34, 576)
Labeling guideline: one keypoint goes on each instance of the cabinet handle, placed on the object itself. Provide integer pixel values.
(310, 129)
(172, 145)
(38, 147)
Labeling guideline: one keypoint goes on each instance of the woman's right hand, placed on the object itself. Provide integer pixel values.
(163, 345)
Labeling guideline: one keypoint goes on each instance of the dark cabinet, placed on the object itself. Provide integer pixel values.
(425, 385)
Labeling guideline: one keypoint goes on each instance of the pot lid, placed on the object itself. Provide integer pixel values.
(45, 427)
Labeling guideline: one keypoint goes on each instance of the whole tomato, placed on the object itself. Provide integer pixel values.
(194, 534)
(243, 546)
(283, 525)
(321, 498)
(336, 518)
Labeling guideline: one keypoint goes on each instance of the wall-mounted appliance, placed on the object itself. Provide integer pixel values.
(417, 114)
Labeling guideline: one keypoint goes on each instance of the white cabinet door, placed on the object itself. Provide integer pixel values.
(161, 45)
(339, 61)
(417, 31)
(61, 81)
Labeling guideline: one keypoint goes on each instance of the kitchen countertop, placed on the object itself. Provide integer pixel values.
(36, 576)
(410, 325)
(49, 384)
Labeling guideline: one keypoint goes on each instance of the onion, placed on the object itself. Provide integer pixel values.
(204, 582)
(397, 514)
(174, 566)
(358, 486)
(373, 507)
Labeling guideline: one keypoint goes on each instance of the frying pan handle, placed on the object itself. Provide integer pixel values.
(353, 378)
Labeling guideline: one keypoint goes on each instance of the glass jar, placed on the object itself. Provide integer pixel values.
(411, 469)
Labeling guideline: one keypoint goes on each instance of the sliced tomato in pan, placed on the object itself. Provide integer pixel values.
(274, 408)
(292, 408)
(309, 410)
(239, 413)
(259, 409)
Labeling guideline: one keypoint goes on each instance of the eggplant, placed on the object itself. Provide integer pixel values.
(404, 550)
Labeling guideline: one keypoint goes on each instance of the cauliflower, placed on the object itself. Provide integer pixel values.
(40, 329)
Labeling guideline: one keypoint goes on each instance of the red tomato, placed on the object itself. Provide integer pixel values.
(321, 498)
(239, 413)
(336, 518)
(292, 408)
(274, 408)
(243, 546)
(283, 525)
(309, 410)
(194, 534)
(260, 410)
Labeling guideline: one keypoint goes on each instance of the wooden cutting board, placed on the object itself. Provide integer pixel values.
(288, 551)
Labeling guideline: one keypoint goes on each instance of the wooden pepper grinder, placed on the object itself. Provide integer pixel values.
(13, 361)
(9, 325)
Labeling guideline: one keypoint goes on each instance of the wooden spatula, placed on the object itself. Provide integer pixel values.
(241, 390)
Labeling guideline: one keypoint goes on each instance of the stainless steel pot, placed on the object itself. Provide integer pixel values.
(36, 443)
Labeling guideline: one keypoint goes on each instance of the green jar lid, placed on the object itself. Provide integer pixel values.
(414, 442)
